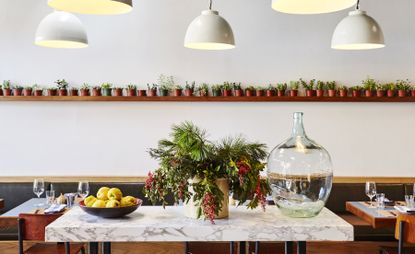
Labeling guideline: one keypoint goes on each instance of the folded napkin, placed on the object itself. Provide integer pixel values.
(55, 208)
(404, 209)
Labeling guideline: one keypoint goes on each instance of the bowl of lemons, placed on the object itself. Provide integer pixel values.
(110, 203)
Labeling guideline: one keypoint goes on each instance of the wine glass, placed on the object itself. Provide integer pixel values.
(38, 188)
(414, 190)
(83, 189)
(370, 190)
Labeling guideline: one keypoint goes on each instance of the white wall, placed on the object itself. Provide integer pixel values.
(72, 138)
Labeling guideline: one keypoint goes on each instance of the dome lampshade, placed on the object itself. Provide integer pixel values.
(97, 7)
(311, 6)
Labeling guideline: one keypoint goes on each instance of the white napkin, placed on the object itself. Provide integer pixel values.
(404, 209)
(55, 208)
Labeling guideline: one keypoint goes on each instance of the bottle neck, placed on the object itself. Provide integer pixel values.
(298, 126)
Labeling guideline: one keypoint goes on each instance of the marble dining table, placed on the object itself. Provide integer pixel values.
(155, 224)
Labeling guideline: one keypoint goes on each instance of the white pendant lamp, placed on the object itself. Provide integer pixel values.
(358, 31)
(311, 6)
(98, 7)
(61, 30)
(209, 31)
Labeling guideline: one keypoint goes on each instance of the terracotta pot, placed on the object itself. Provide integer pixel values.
(131, 92)
(177, 92)
(227, 92)
(380, 93)
(401, 93)
(96, 92)
(152, 92)
(260, 93)
(63, 92)
(368, 93)
(38, 93)
(293, 93)
(390, 93)
(280, 93)
(73, 92)
(413, 93)
(269, 93)
(203, 93)
(320, 93)
(7, 92)
(356, 93)
(331, 93)
(51, 92)
(343, 93)
(27, 92)
(117, 91)
(84, 92)
(250, 93)
(310, 93)
(143, 93)
(239, 92)
(17, 91)
(188, 92)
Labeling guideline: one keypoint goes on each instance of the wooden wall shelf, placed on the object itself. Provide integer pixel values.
(205, 99)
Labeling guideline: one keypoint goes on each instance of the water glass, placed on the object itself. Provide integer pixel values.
(409, 201)
(380, 200)
(70, 199)
(50, 197)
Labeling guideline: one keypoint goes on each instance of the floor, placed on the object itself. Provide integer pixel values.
(219, 248)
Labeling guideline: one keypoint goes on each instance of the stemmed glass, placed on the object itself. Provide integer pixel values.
(38, 188)
(414, 190)
(83, 189)
(371, 190)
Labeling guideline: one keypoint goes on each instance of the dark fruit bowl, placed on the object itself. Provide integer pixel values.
(110, 212)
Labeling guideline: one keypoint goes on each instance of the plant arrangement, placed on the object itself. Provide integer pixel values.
(369, 85)
(96, 91)
(190, 166)
(237, 90)
(177, 90)
(403, 86)
(390, 89)
(37, 90)
(117, 91)
(217, 90)
(281, 88)
(189, 88)
(131, 90)
(203, 90)
(27, 91)
(84, 90)
(356, 91)
(331, 88)
(381, 90)
(294, 86)
(62, 86)
(165, 84)
(227, 89)
(152, 90)
(308, 87)
(343, 91)
(271, 90)
(250, 91)
(6, 88)
(320, 87)
(106, 89)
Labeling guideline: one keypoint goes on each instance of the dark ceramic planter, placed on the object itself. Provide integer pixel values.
(164, 92)
(106, 91)
(216, 93)
(27, 92)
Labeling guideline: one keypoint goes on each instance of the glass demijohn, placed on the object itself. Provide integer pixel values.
(300, 173)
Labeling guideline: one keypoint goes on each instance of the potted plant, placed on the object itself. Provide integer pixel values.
(390, 89)
(203, 90)
(166, 84)
(51, 91)
(217, 90)
(189, 89)
(320, 87)
(260, 91)
(6, 88)
(96, 91)
(152, 90)
(17, 90)
(62, 87)
(250, 91)
(117, 91)
(177, 90)
(294, 86)
(84, 90)
(413, 91)
(37, 90)
(73, 91)
(143, 92)
(237, 90)
(356, 91)
(27, 91)
(281, 88)
(381, 90)
(271, 91)
(131, 90)
(226, 89)
(106, 89)
(369, 85)
(308, 87)
(201, 173)
(403, 86)
(343, 91)
(331, 88)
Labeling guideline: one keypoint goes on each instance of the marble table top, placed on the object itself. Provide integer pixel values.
(153, 223)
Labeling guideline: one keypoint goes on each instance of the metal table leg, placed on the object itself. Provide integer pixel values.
(93, 248)
(256, 247)
(301, 248)
(289, 247)
(106, 247)
(232, 248)
(186, 248)
(242, 247)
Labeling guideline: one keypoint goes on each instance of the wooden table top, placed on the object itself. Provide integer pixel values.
(378, 218)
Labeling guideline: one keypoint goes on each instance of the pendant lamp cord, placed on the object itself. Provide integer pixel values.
(210, 4)
(358, 5)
